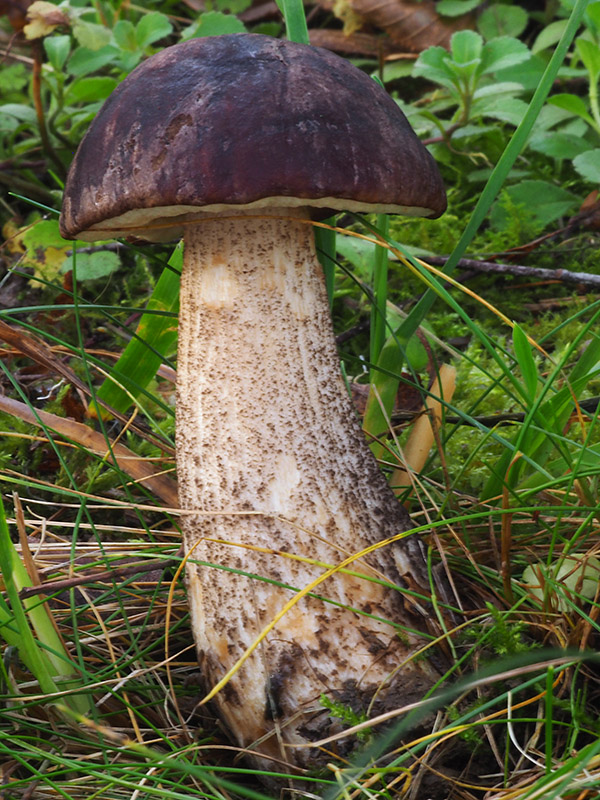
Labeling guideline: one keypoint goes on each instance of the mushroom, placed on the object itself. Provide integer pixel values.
(235, 141)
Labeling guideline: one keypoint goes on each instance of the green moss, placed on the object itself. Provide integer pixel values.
(347, 715)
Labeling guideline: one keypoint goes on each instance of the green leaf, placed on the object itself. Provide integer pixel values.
(592, 14)
(529, 73)
(21, 112)
(89, 90)
(57, 49)
(454, 8)
(46, 250)
(549, 35)
(124, 35)
(466, 47)
(384, 388)
(83, 61)
(151, 28)
(498, 88)
(416, 354)
(432, 64)
(213, 23)
(502, 20)
(13, 78)
(358, 252)
(506, 109)
(588, 165)
(91, 266)
(91, 35)
(44, 234)
(589, 52)
(128, 60)
(543, 200)
(395, 70)
(572, 103)
(232, 6)
(577, 574)
(526, 362)
(8, 124)
(558, 145)
(551, 116)
(502, 53)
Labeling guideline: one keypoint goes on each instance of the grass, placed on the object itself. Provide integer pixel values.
(521, 701)
(517, 715)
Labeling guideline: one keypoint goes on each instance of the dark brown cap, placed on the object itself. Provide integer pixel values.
(241, 121)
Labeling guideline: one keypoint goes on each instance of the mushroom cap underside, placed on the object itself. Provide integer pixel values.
(243, 121)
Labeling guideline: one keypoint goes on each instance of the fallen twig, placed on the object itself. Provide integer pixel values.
(588, 406)
(52, 587)
(539, 273)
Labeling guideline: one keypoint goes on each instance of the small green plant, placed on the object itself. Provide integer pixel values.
(347, 715)
(489, 76)
(466, 72)
(506, 637)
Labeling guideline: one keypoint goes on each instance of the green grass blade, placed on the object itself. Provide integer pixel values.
(50, 662)
(549, 412)
(295, 21)
(35, 658)
(387, 370)
(325, 244)
(548, 724)
(156, 336)
(379, 307)
(526, 362)
(384, 382)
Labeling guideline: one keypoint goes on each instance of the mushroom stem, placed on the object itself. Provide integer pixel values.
(271, 455)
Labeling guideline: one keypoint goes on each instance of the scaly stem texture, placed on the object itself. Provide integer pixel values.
(270, 454)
